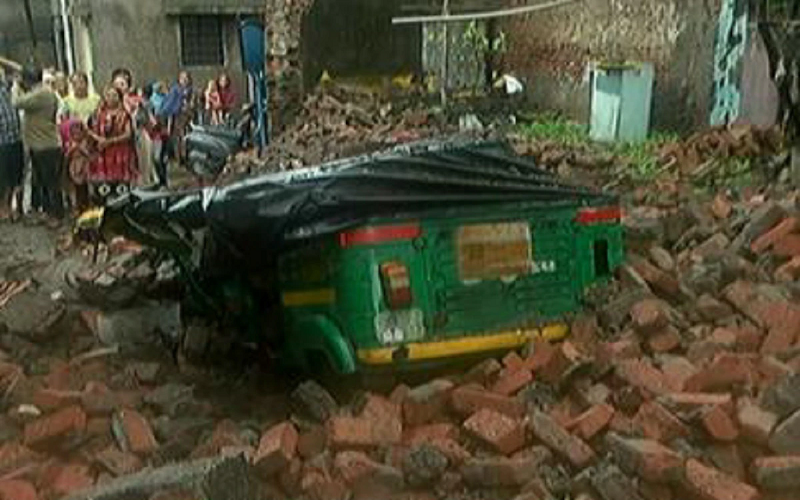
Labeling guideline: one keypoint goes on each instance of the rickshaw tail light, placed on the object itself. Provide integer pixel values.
(396, 285)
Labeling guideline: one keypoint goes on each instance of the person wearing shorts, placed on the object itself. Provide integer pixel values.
(12, 156)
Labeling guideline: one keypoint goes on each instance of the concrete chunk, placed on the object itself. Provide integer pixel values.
(224, 478)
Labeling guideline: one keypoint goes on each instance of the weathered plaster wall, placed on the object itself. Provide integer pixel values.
(142, 37)
(551, 49)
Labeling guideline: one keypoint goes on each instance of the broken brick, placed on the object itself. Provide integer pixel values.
(565, 358)
(65, 479)
(725, 371)
(513, 362)
(649, 316)
(450, 448)
(721, 206)
(646, 458)
(665, 340)
(425, 433)
(12, 489)
(719, 424)
(771, 237)
(661, 282)
(48, 400)
(777, 473)
(677, 370)
(118, 463)
(312, 442)
(63, 423)
(385, 419)
(276, 449)
(789, 271)
(708, 483)
(658, 423)
(643, 375)
(560, 440)
(350, 432)
(787, 246)
(756, 424)
(427, 402)
(500, 432)
(710, 309)
(726, 457)
(467, 400)
(592, 421)
(691, 401)
(137, 435)
(511, 382)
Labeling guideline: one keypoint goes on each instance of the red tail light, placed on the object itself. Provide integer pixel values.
(595, 215)
(379, 234)
(396, 285)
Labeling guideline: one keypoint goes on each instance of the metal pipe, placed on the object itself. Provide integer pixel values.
(480, 15)
(67, 37)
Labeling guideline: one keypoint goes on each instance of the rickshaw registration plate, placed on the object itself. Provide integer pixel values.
(491, 251)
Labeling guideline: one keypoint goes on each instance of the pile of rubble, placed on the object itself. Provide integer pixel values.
(337, 121)
(682, 380)
(701, 150)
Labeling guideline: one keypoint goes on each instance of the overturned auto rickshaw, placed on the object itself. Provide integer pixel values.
(421, 254)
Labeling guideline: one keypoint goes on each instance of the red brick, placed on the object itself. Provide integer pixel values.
(312, 442)
(15, 456)
(711, 247)
(98, 399)
(226, 434)
(756, 424)
(748, 339)
(658, 423)
(276, 449)
(745, 297)
(677, 370)
(724, 372)
(648, 459)
(540, 352)
(350, 432)
(48, 400)
(367, 478)
(565, 357)
(560, 440)
(503, 434)
(768, 239)
(708, 483)
(719, 424)
(385, 419)
(118, 463)
(513, 362)
(623, 424)
(511, 382)
(592, 421)
(643, 375)
(467, 400)
(426, 403)
(777, 473)
(612, 352)
(788, 246)
(17, 490)
(784, 327)
(45, 430)
(139, 436)
(98, 427)
(661, 282)
(425, 433)
(649, 316)
(665, 340)
(64, 480)
(789, 271)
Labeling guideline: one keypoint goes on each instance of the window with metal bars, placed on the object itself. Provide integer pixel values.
(202, 41)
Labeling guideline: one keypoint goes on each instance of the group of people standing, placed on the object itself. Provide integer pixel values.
(84, 147)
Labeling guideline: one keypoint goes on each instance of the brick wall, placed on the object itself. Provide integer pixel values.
(551, 49)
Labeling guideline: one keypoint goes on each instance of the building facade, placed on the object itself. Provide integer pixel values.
(156, 39)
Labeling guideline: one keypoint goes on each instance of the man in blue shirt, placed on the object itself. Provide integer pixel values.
(12, 156)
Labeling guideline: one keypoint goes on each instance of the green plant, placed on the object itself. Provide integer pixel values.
(551, 127)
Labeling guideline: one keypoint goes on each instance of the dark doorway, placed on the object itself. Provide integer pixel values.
(602, 268)
(356, 38)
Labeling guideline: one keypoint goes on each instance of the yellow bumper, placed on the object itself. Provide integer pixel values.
(463, 346)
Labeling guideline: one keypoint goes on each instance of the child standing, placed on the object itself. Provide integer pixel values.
(80, 154)
(214, 103)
